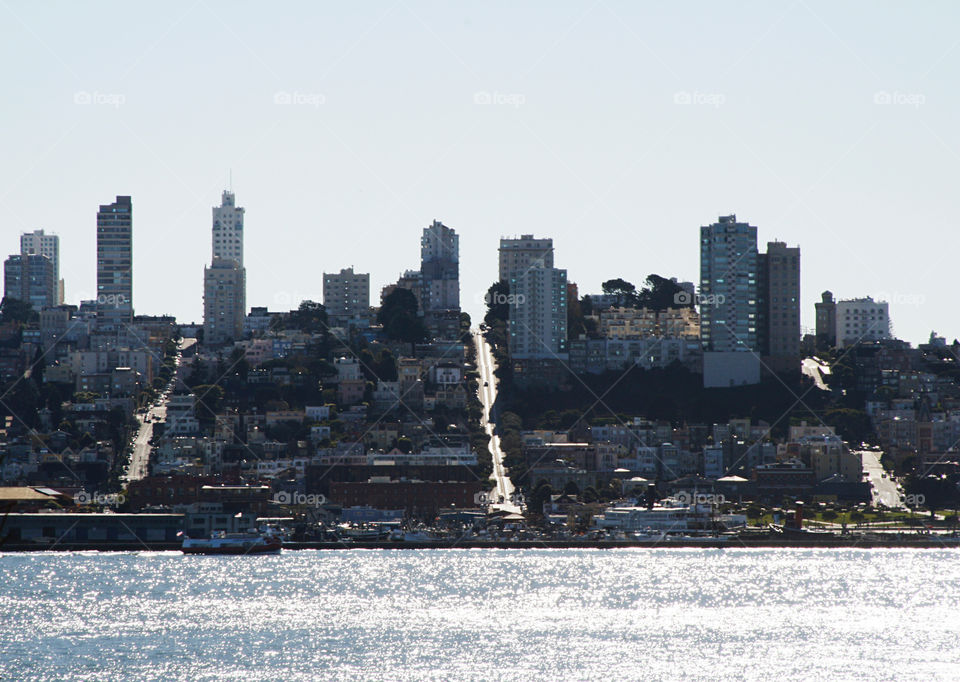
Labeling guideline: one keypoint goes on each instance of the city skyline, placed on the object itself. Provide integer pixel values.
(607, 128)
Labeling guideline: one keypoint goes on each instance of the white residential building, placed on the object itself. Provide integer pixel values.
(862, 319)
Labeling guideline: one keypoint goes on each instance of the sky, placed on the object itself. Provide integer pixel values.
(617, 128)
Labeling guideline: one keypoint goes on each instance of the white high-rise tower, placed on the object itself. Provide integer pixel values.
(228, 229)
(225, 280)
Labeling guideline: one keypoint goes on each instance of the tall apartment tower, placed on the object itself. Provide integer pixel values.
(346, 296)
(38, 243)
(225, 279)
(826, 320)
(728, 286)
(538, 314)
(519, 254)
(440, 279)
(30, 278)
(115, 263)
(228, 229)
(778, 328)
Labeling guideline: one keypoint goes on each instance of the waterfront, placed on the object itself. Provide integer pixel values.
(658, 614)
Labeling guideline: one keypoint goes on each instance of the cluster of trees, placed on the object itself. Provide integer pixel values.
(400, 319)
(658, 293)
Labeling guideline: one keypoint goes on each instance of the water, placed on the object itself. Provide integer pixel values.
(645, 614)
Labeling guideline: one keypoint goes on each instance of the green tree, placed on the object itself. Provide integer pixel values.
(14, 310)
(660, 293)
(398, 316)
(625, 292)
(497, 300)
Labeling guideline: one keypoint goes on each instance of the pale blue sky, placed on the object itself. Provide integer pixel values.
(617, 128)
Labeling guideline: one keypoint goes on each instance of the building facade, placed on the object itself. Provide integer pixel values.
(115, 263)
(778, 328)
(826, 321)
(227, 236)
(728, 286)
(224, 285)
(225, 279)
(538, 314)
(862, 319)
(31, 279)
(518, 254)
(440, 279)
(346, 296)
(38, 243)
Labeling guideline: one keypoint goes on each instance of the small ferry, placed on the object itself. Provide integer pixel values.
(220, 542)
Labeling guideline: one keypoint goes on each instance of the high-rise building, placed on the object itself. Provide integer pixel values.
(862, 319)
(538, 314)
(38, 243)
(519, 254)
(440, 279)
(224, 299)
(728, 286)
(30, 278)
(228, 229)
(826, 321)
(225, 279)
(115, 263)
(778, 328)
(346, 296)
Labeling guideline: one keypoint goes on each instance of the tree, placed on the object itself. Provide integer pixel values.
(571, 489)
(497, 300)
(398, 316)
(14, 310)
(660, 293)
(209, 398)
(540, 495)
(385, 366)
(624, 291)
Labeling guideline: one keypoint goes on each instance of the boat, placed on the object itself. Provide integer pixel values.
(265, 541)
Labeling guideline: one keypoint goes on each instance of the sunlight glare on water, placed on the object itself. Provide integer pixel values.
(482, 614)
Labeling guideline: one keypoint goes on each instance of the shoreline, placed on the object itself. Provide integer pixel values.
(732, 543)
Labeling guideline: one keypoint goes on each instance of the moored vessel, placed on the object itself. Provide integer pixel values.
(220, 542)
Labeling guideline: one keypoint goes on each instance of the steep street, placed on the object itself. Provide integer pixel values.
(504, 489)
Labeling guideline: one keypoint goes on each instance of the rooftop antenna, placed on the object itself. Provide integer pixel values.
(231, 179)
